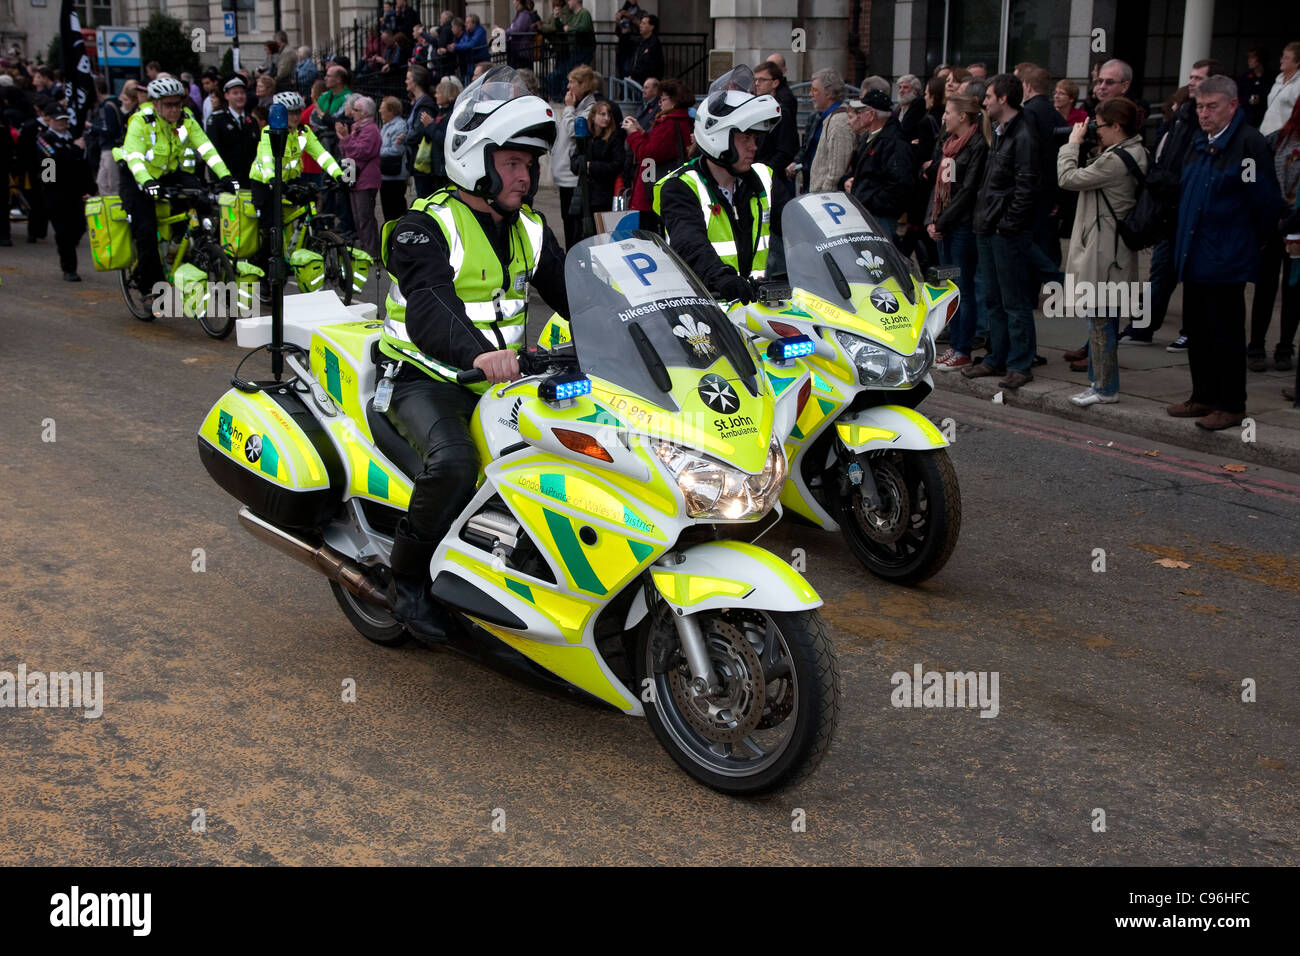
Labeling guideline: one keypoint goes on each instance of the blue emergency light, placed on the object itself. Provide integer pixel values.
(782, 350)
(561, 388)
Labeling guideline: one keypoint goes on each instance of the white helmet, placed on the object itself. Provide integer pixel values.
(290, 101)
(496, 111)
(166, 86)
(732, 107)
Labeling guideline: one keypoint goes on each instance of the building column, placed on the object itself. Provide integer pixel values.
(1079, 54)
(1198, 26)
(755, 29)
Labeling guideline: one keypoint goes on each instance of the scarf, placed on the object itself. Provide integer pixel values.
(952, 145)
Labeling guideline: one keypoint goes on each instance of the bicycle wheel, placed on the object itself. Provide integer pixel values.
(219, 318)
(133, 296)
(338, 266)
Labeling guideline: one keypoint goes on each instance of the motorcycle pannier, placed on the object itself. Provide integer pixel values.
(240, 236)
(109, 227)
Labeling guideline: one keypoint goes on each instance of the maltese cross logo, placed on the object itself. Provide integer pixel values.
(696, 333)
(717, 394)
(871, 263)
(884, 300)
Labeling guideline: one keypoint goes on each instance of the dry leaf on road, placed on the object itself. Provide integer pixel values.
(1234, 467)
(1152, 453)
(1170, 563)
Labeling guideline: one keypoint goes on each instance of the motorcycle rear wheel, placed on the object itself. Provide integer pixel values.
(913, 534)
(762, 732)
(374, 623)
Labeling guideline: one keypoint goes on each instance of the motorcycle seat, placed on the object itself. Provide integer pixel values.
(390, 441)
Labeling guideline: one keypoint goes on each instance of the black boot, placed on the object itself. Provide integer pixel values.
(413, 605)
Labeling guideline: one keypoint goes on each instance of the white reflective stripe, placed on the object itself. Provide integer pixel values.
(724, 248)
(485, 313)
(131, 156)
(763, 242)
(764, 174)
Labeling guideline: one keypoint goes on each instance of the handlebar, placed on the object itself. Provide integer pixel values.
(534, 361)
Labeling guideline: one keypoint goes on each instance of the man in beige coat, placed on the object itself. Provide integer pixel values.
(1101, 271)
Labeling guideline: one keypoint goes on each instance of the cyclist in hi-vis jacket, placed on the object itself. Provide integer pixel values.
(161, 140)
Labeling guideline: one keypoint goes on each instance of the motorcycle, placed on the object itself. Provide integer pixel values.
(855, 314)
(862, 458)
(608, 550)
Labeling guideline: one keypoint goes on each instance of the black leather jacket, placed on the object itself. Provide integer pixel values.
(1012, 182)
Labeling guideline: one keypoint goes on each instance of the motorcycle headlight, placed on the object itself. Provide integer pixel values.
(715, 490)
(885, 368)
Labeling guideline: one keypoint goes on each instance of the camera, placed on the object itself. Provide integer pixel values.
(1066, 130)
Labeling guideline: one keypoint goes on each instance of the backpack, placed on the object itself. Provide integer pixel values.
(1150, 219)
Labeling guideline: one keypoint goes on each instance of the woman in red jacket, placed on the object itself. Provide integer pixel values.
(666, 145)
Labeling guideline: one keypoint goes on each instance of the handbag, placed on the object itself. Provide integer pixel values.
(390, 165)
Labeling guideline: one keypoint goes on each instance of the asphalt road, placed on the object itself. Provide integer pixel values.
(1119, 690)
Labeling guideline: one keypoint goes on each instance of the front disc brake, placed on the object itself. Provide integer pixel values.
(734, 712)
(886, 524)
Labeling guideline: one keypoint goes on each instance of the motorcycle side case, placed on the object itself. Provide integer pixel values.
(269, 452)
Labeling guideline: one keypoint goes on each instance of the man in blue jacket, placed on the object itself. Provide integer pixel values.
(1229, 201)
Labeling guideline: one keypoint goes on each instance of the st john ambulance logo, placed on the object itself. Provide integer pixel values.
(717, 394)
(696, 333)
(253, 448)
(884, 300)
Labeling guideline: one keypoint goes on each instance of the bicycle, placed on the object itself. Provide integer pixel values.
(199, 246)
(324, 258)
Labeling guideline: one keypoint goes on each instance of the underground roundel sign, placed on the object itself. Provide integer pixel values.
(718, 394)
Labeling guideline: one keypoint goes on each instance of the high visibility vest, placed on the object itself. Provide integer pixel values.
(153, 148)
(719, 222)
(496, 301)
(302, 140)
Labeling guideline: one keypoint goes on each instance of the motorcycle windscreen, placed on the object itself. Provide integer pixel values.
(637, 313)
(836, 251)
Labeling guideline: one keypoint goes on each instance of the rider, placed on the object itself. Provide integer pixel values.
(157, 138)
(301, 140)
(461, 261)
(716, 209)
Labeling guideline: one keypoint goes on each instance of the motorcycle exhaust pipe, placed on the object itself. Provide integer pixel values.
(337, 567)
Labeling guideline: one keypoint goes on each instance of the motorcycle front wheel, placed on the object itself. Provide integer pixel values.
(913, 532)
(772, 719)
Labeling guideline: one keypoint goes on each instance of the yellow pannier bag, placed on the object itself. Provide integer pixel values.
(109, 228)
(240, 236)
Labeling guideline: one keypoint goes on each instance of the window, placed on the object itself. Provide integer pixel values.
(94, 13)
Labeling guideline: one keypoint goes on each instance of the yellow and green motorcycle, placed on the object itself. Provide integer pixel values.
(609, 549)
(862, 458)
(852, 331)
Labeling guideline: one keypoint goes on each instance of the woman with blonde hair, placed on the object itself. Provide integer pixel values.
(583, 92)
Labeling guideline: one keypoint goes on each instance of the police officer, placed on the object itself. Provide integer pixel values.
(233, 131)
(717, 208)
(158, 136)
(461, 261)
(66, 182)
(301, 140)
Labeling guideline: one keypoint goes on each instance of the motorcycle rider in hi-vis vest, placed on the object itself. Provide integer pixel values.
(300, 140)
(159, 137)
(461, 261)
(716, 209)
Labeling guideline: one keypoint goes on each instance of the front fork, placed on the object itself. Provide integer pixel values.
(857, 476)
(703, 680)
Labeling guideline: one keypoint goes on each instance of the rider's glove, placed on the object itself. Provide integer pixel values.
(152, 188)
(736, 287)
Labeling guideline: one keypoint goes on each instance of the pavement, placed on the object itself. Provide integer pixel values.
(1151, 379)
